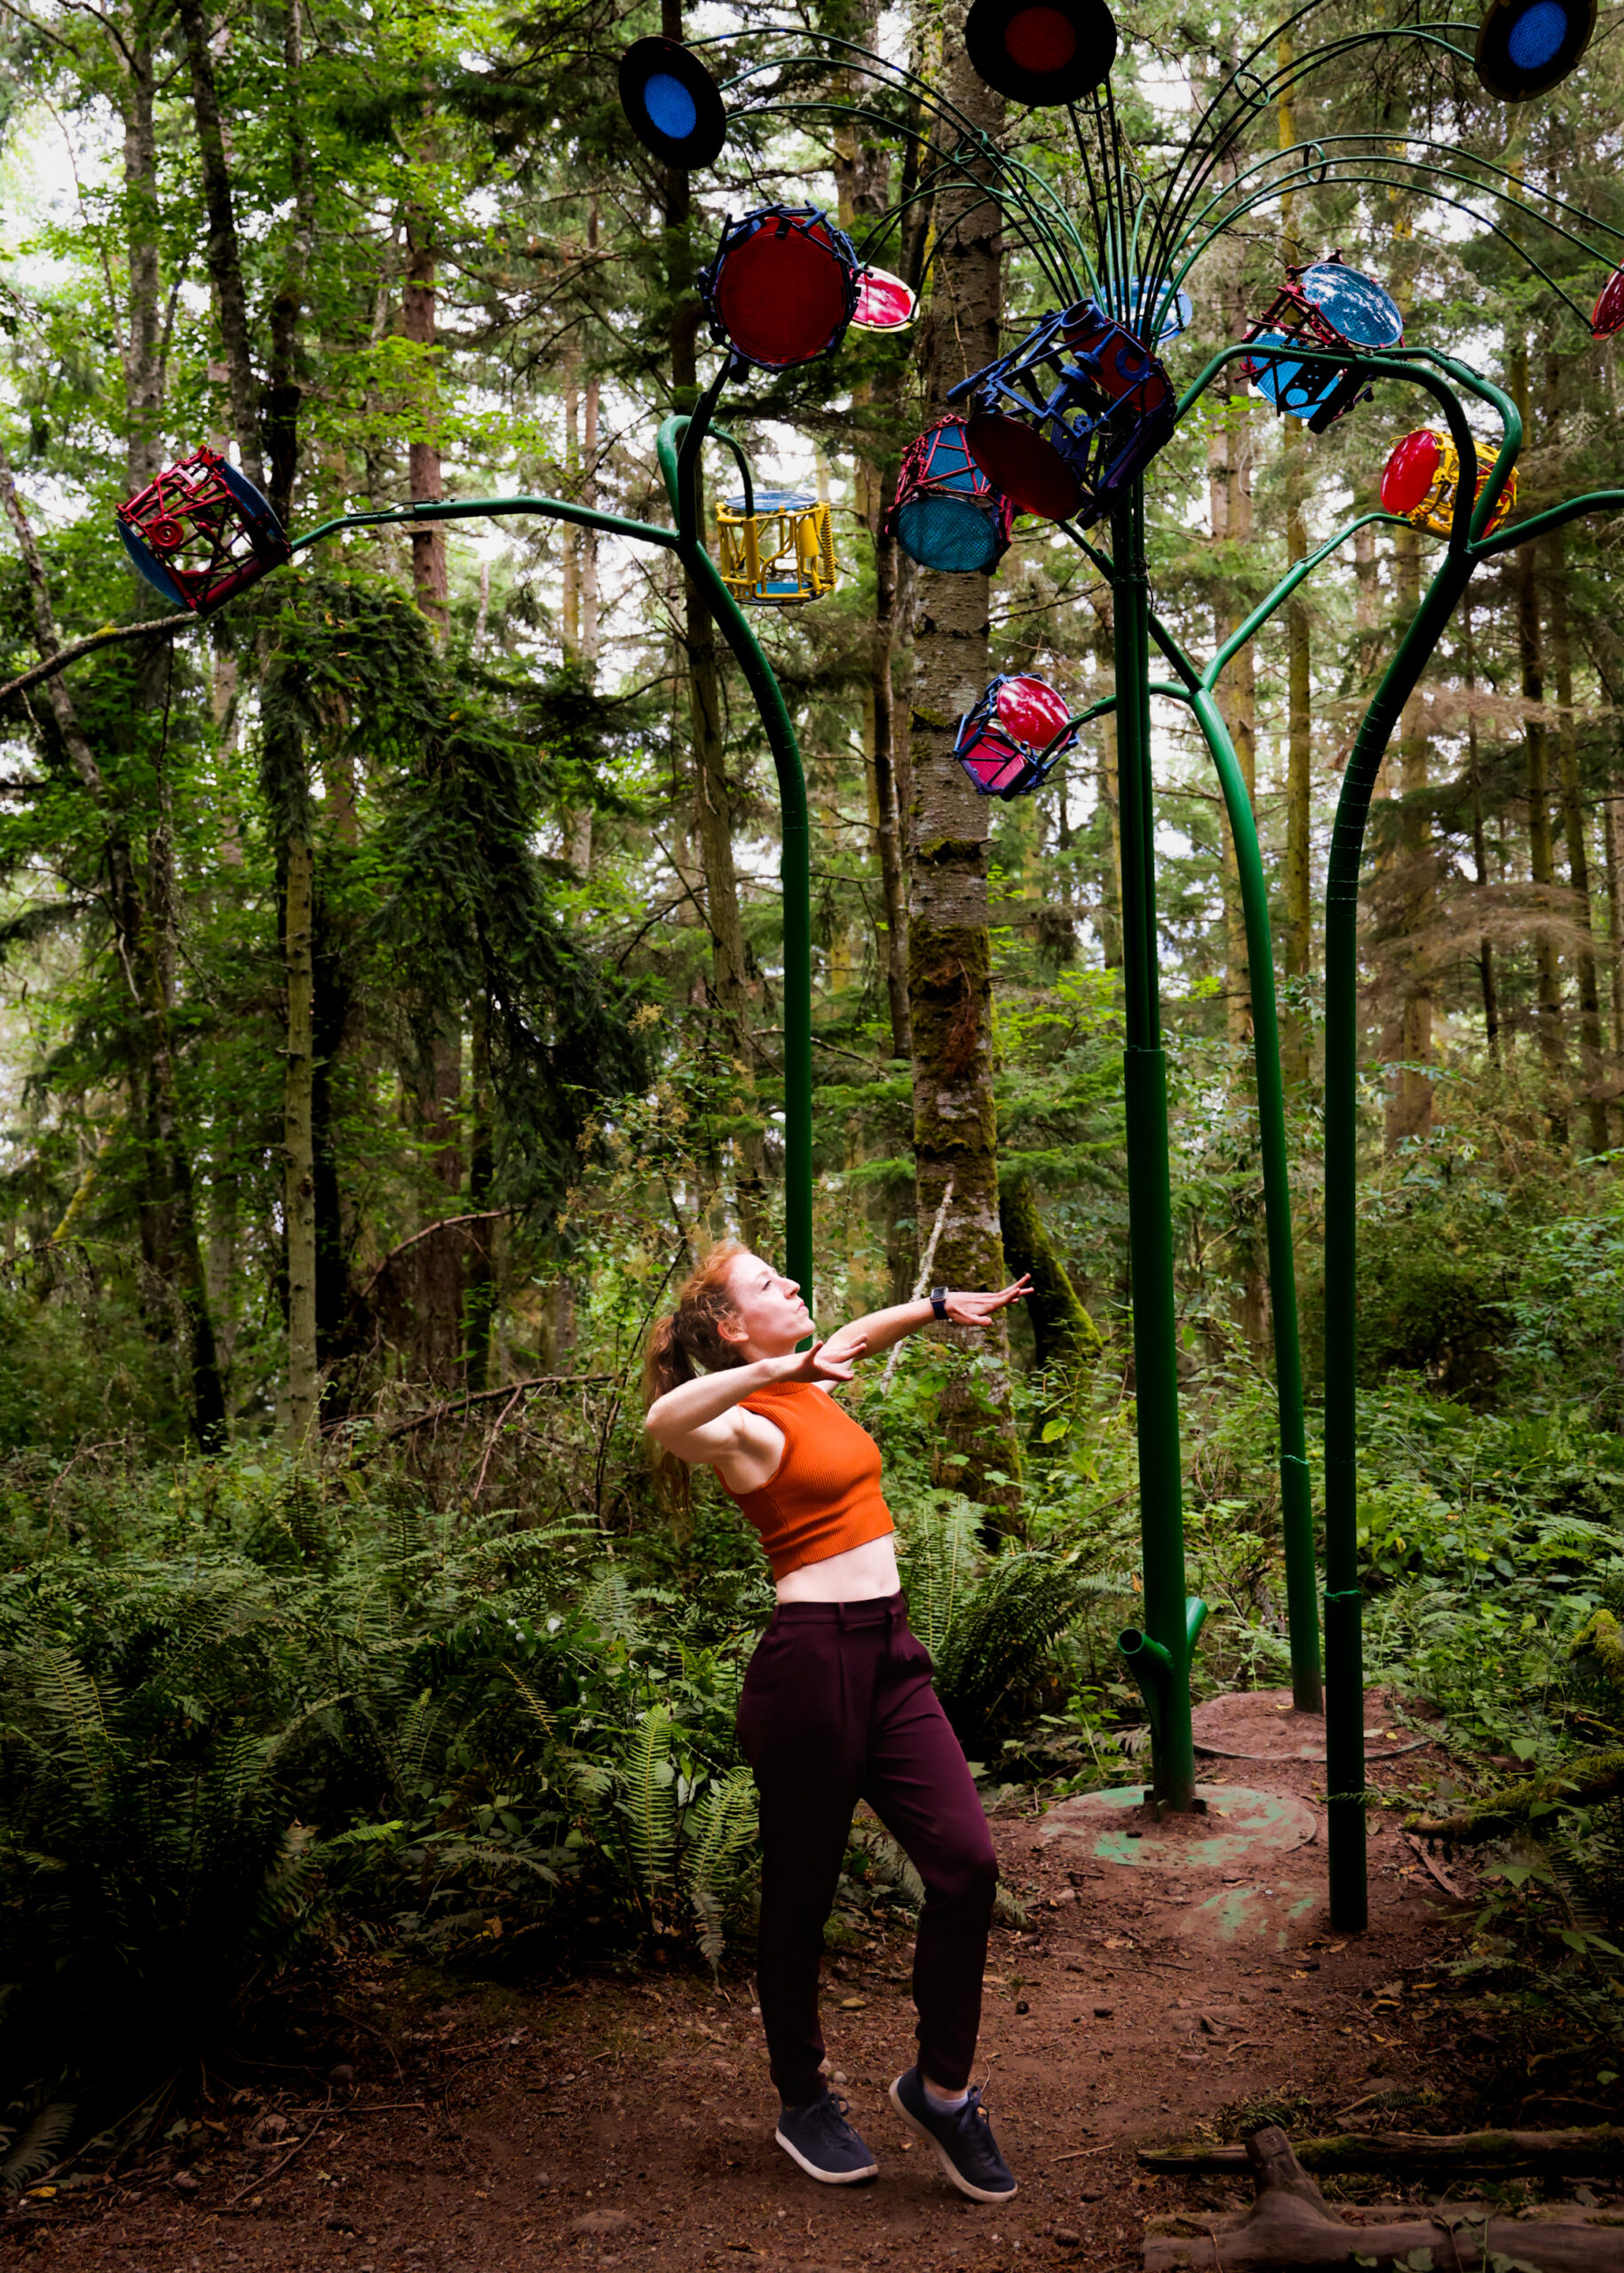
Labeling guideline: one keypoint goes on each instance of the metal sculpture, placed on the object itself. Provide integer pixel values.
(782, 286)
(946, 514)
(201, 533)
(672, 103)
(1069, 419)
(1087, 418)
(1607, 316)
(1012, 740)
(1421, 482)
(1326, 305)
(775, 548)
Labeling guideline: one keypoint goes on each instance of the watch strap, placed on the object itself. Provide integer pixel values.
(939, 1300)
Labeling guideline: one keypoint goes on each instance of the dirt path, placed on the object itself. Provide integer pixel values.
(607, 2122)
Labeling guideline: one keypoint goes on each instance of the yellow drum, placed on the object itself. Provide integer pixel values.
(1422, 476)
(781, 555)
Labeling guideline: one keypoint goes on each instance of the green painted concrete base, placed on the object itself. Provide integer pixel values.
(1240, 1831)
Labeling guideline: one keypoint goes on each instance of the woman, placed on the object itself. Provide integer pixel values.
(837, 1704)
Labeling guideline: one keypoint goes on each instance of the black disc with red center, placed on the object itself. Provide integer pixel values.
(1042, 52)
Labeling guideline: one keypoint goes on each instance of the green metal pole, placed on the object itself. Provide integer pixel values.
(794, 865)
(1344, 1713)
(1297, 1495)
(1163, 1669)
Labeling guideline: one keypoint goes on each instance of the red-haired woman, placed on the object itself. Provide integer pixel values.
(837, 1704)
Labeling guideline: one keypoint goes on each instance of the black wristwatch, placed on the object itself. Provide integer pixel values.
(939, 1300)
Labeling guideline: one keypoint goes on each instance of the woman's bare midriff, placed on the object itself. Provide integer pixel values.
(861, 1575)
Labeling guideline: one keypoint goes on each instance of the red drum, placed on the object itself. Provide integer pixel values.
(202, 532)
(1015, 737)
(783, 286)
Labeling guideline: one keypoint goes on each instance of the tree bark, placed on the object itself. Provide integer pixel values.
(1480, 857)
(1291, 2225)
(222, 251)
(950, 953)
(1406, 2154)
(300, 1418)
(170, 1217)
(1541, 858)
(283, 393)
(430, 583)
(1298, 927)
(1578, 860)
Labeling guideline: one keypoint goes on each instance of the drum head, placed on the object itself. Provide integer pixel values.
(1411, 471)
(1042, 52)
(884, 302)
(671, 103)
(1527, 47)
(1029, 470)
(958, 535)
(781, 299)
(1364, 313)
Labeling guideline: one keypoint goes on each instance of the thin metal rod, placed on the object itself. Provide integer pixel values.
(473, 509)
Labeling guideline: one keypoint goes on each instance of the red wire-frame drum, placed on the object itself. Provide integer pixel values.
(202, 532)
(948, 515)
(783, 288)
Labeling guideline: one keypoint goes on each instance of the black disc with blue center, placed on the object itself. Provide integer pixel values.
(672, 103)
(1042, 52)
(1525, 47)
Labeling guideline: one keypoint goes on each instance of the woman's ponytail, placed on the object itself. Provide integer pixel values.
(690, 1342)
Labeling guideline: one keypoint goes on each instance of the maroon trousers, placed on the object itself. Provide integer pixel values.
(837, 1707)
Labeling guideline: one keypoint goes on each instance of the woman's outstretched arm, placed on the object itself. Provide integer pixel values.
(700, 1418)
(880, 1329)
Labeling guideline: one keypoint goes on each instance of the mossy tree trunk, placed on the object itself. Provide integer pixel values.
(955, 1132)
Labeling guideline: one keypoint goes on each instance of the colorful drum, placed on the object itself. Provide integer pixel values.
(1066, 421)
(202, 532)
(948, 515)
(1326, 305)
(1422, 476)
(775, 549)
(1015, 737)
(783, 288)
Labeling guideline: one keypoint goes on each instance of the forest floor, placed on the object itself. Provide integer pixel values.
(422, 2125)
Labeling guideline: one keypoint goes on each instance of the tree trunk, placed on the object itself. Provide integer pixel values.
(1290, 2225)
(482, 1236)
(283, 393)
(1406, 2154)
(220, 245)
(950, 953)
(1541, 857)
(170, 1239)
(429, 579)
(300, 1418)
(1578, 858)
(1480, 858)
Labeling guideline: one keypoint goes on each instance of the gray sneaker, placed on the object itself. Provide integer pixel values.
(818, 2138)
(962, 2136)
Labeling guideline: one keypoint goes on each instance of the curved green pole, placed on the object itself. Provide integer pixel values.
(1296, 1492)
(677, 444)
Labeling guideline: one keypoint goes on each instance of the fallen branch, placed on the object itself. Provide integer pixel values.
(1580, 1784)
(488, 1396)
(1465, 2154)
(446, 1223)
(1291, 2225)
(262, 2179)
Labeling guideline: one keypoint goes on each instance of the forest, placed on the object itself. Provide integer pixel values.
(393, 986)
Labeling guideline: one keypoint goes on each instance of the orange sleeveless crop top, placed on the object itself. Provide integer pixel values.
(824, 1495)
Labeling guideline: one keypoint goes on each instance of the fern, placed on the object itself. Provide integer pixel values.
(1026, 1603)
(720, 1831)
(648, 1779)
(32, 2154)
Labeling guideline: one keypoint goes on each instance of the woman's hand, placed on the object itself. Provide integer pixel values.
(975, 1309)
(825, 1362)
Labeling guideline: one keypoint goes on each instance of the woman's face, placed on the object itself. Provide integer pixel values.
(772, 1316)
